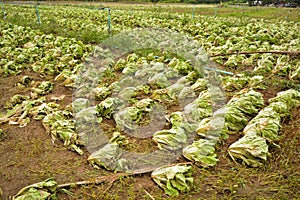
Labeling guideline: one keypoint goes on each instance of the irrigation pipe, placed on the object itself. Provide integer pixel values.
(292, 53)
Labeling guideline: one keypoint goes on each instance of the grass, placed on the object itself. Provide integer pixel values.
(289, 14)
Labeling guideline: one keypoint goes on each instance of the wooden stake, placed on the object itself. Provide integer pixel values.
(114, 177)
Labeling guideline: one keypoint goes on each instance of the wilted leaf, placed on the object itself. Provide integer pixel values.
(108, 107)
(39, 191)
(251, 149)
(202, 152)
(291, 97)
(172, 139)
(174, 179)
(44, 88)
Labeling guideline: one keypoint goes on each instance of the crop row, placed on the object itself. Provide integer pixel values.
(217, 35)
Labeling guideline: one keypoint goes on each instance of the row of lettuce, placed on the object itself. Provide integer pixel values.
(259, 133)
(217, 35)
(237, 115)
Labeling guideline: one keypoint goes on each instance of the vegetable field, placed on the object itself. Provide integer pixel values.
(121, 101)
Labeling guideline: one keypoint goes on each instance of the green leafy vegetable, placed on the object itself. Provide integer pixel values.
(45, 190)
(251, 149)
(108, 107)
(291, 97)
(19, 114)
(44, 88)
(174, 179)
(131, 117)
(202, 152)
(235, 120)
(25, 80)
(16, 99)
(171, 139)
(200, 85)
(60, 126)
(249, 102)
(109, 155)
(102, 92)
(39, 112)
